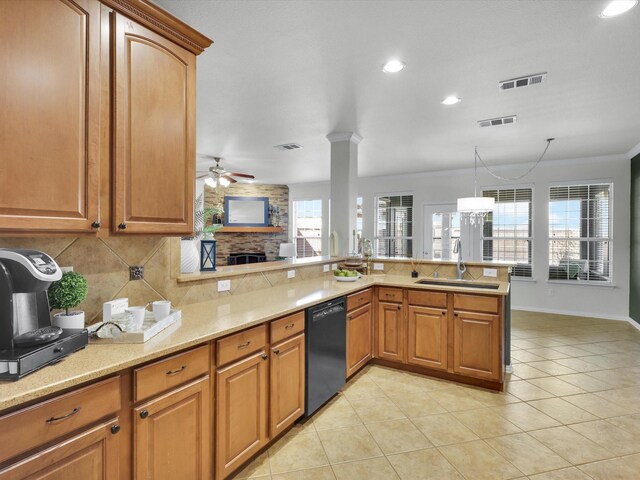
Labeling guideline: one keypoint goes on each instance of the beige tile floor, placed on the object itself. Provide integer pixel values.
(570, 410)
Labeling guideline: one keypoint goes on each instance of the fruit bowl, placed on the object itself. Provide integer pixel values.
(347, 279)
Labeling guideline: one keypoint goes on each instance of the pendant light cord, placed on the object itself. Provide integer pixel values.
(500, 177)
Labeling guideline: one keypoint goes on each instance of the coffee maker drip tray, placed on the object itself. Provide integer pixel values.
(18, 362)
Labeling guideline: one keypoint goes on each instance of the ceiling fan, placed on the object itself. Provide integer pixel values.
(219, 176)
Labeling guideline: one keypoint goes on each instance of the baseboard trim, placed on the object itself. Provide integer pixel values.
(619, 318)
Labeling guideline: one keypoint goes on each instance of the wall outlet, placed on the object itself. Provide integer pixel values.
(224, 285)
(378, 266)
(490, 272)
(291, 273)
(66, 269)
(334, 266)
(325, 268)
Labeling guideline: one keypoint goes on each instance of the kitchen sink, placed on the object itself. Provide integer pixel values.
(460, 283)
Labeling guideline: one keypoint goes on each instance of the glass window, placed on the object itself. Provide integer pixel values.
(307, 227)
(445, 230)
(394, 226)
(579, 232)
(507, 233)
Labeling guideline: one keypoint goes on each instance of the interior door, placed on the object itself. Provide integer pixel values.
(442, 226)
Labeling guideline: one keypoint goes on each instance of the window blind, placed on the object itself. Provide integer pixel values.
(394, 226)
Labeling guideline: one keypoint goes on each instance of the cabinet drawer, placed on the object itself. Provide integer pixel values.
(287, 326)
(428, 299)
(33, 426)
(358, 299)
(475, 303)
(241, 344)
(386, 294)
(170, 372)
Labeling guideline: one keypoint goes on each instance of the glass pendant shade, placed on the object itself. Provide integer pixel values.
(475, 204)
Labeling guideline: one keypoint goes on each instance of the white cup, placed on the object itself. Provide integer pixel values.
(161, 309)
(137, 318)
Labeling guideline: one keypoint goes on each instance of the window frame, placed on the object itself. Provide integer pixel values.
(531, 238)
(609, 239)
(294, 218)
(377, 238)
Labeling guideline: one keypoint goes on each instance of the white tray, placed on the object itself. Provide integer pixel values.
(150, 328)
(347, 279)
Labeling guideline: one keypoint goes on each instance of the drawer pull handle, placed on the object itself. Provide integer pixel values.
(63, 417)
(290, 326)
(276, 351)
(244, 345)
(177, 370)
(264, 356)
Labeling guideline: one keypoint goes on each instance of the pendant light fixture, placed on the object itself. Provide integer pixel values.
(473, 209)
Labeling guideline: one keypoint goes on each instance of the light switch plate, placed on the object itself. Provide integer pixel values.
(291, 273)
(224, 285)
(66, 269)
(378, 266)
(325, 268)
(334, 266)
(490, 272)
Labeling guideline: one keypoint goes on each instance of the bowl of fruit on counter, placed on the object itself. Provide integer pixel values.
(346, 275)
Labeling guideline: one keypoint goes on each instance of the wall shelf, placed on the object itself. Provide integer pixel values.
(250, 230)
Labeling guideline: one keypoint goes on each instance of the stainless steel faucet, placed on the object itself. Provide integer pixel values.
(460, 266)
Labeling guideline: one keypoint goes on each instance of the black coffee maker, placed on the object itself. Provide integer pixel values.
(28, 341)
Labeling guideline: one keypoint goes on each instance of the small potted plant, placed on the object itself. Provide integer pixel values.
(68, 292)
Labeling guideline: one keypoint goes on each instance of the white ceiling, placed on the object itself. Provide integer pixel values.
(294, 71)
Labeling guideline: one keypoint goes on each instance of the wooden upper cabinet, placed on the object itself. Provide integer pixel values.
(427, 337)
(49, 97)
(154, 132)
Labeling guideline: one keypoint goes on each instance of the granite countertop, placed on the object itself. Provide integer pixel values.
(200, 323)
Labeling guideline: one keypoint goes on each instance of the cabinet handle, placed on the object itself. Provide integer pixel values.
(144, 414)
(244, 345)
(455, 315)
(264, 356)
(96, 224)
(399, 307)
(177, 370)
(349, 317)
(63, 417)
(290, 326)
(277, 351)
(115, 429)
(122, 226)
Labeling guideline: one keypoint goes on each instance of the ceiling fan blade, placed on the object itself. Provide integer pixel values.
(202, 175)
(241, 175)
(225, 176)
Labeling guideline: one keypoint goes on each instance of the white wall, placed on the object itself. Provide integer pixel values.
(446, 187)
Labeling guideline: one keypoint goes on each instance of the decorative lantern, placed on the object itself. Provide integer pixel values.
(207, 255)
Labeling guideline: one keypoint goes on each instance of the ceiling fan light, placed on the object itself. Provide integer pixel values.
(210, 181)
(224, 182)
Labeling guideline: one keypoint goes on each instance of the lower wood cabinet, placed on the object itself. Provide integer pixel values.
(172, 434)
(427, 337)
(359, 338)
(242, 403)
(391, 331)
(91, 455)
(286, 383)
(476, 343)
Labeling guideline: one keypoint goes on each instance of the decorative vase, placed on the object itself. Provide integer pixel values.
(74, 319)
(189, 256)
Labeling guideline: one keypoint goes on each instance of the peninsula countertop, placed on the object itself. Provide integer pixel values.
(200, 323)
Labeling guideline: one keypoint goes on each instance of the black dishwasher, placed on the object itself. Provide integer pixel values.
(326, 345)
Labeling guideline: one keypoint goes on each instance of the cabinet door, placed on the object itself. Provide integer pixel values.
(391, 336)
(154, 132)
(49, 93)
(427, 337)
(359, 338)
(241, 412)
(91, 455)
(477, 345)
(287, 383)
(172, 434)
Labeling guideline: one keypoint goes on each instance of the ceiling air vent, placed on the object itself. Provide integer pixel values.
(288, 146)
(527, 81)
(494, 122)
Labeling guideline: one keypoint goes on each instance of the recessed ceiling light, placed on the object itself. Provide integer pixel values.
(451, 100)
(393, 66)
(618, 7)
